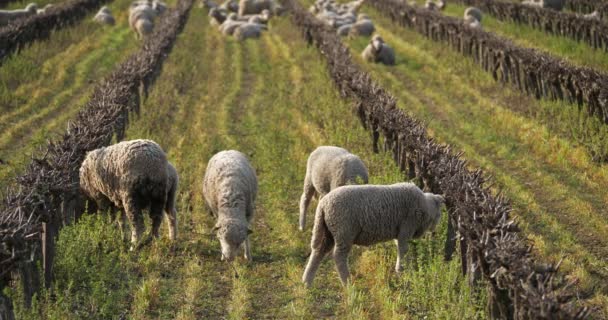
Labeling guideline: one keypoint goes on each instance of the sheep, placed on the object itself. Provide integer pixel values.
(256, 6)
(327, 168)
(6, 16)
(366, 215)
(378, 51)
(227, 28)
(230, 187)
(251, 29)
(593, 15)
(217, 17)
(550, 4)
(132, 175)
(363, 27)
(141, 17)
(473, 12)
(104, 16)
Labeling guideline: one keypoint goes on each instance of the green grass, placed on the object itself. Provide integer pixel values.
(274, 101)
(45, 84)
(557, 190)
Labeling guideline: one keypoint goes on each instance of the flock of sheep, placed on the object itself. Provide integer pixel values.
(132, 176)
(245, 19)
(141, 16)
(7, 16)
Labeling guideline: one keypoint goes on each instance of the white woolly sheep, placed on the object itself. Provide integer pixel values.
(230, 188)
(366, 215)
(473, 12)
(7, 16)
(141, 17)
(363, 27)
(132, 175)
(327, 168)
(378, 51)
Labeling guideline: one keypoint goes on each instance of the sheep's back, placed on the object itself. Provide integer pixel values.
(368, 214)
(127, 168)
(229, 181)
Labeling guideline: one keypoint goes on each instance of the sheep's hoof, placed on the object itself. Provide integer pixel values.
(399, 269)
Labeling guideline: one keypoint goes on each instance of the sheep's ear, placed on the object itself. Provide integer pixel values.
(249, 231)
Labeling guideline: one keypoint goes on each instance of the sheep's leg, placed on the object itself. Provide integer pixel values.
(401, 250)
(247, 249)
(156, 214)
(171, 216)
(316, 256)
(341, 259)
(137, 223)
(309, 192)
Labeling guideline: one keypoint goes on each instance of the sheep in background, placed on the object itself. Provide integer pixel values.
(141, 17)
(363, 27)
(6, 16)
(217, 17)
(132, 175)
(327, 168)
(549, 4)
(473, 12)
(249, 30)
(366, 215)
(247, 7)
(593, 15)
(104, 15)
(227, 28)
(378, 51)
(230, 188)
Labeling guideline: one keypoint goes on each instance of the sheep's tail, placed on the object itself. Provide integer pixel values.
(321, 237)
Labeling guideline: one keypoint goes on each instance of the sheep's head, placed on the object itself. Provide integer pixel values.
(231, 233)
(377, 43)
(434, 202)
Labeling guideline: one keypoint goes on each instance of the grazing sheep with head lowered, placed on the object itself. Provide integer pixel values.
(327, 168)
(366, 215)
(378, 51)
(230, 187)
(132, 175)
